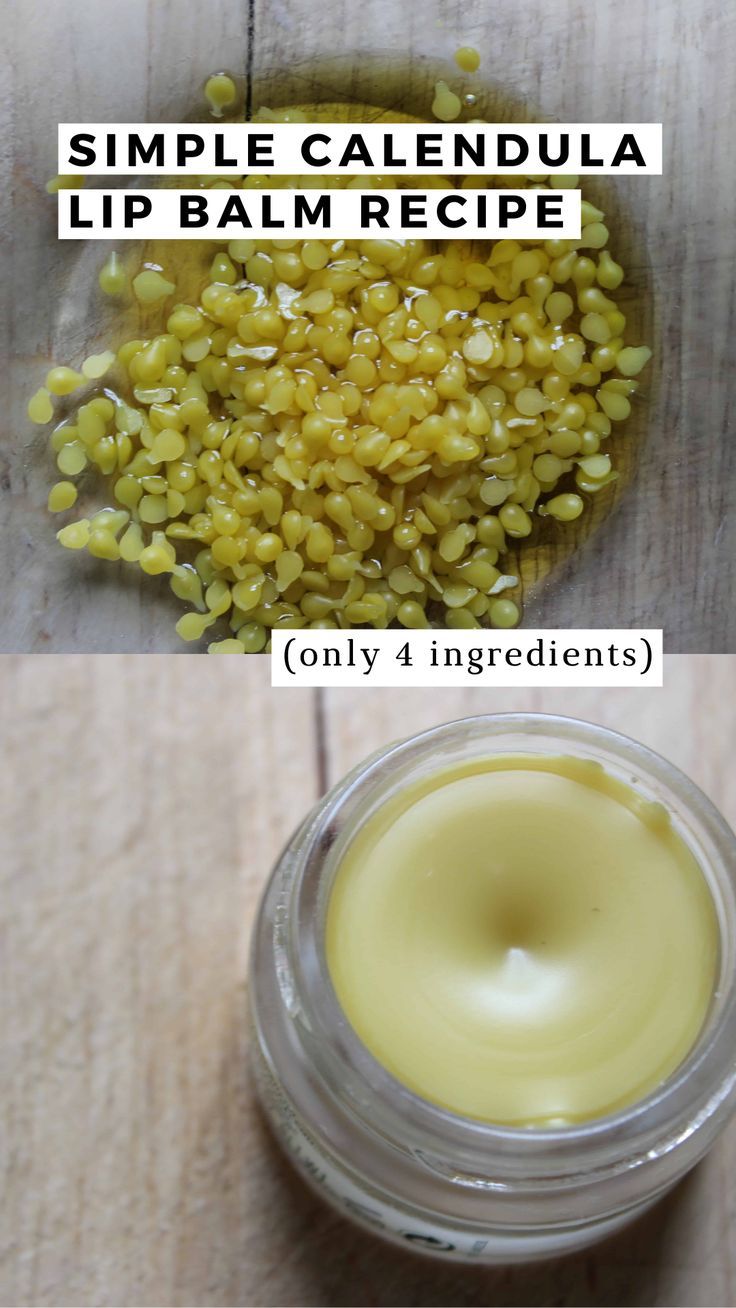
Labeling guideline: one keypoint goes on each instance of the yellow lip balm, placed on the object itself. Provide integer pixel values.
(524, 940)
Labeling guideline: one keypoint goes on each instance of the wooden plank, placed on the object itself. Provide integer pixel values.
(143, 803)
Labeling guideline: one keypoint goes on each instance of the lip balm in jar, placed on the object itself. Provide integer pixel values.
(494, 987)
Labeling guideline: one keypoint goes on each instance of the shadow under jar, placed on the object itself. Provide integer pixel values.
(408, 1168)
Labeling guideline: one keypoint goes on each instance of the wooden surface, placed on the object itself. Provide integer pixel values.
(143, 802)
(666, 557)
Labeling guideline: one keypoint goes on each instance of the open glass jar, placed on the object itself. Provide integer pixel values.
(414, 1172)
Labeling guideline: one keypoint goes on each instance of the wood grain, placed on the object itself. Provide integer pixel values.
(666, 557)
(142, 804)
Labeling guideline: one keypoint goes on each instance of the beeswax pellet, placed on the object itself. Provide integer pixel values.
(467, 58)
(112, 278)
(40, 408)
(151, 286)
(221, 93)
(62, 496)
(446, 105)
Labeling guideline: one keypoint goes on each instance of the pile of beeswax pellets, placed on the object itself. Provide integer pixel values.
(349, 433)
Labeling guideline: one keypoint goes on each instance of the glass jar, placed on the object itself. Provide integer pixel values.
(412, 1171)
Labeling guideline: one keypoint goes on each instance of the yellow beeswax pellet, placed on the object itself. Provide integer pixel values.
(150, 286)
(221, 93)
(40, 408)
(61, 496)
(112, 277)
(75, 535)
(96, 365)
(467, 58)
(446, 104)
(62, 381)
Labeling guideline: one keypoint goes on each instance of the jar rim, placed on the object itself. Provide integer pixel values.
(702, 1087)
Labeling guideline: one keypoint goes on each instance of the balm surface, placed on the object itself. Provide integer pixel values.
(523, 940)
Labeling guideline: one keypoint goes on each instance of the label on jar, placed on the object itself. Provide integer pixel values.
(359, 1201)
(371, 1210)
